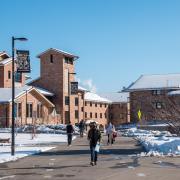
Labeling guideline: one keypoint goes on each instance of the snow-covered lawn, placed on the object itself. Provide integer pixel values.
(26, 146)
(156, 143)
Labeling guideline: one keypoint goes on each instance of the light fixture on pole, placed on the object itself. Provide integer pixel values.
(13, 93)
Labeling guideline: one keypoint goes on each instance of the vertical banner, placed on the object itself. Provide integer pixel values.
(74, 87)
(23, 61)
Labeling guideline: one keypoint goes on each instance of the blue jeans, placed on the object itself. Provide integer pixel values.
(93, 154)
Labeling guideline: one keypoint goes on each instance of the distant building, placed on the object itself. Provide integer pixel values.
(152, 95)
(49, 98)
(119, 108)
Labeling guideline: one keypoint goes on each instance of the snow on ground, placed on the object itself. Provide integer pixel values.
(26, 145)
(156, 143)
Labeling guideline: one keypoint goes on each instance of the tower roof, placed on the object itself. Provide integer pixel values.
(58, 51)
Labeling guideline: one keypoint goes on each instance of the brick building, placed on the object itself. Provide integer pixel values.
(57, 71)
(153, 96)
(31, 105)
(119, 108)
(48, 99)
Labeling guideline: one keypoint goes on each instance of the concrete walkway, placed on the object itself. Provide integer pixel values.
(116, 162)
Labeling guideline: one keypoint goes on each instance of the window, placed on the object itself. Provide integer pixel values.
(100, 115)
(68, 60)
(67, 117)
(85, 103)
(51, 58)
(29, 109)
(39, 110)
(66, 100)
(100, 105)
(91, 115)
(105, 115)
(85, 114)
(95, 104)
(121, 116)
(82, 109)
(18, 110)
(76, 114)
(105, 105)
(111, 116)
(90, 103)
(9, 74)
(95, 115)
(18, 77)
(76, 101)
(82, 96)
(156, 92)
(158, 105)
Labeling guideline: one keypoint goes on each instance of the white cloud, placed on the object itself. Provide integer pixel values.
(88, 84)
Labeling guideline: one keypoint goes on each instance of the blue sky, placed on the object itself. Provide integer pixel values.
(116, 40)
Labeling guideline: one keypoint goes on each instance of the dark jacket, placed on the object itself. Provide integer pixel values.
(81, 125)
(69, 129)
(94, 135)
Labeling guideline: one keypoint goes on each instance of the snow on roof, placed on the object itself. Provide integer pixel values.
(5, 61)
(89, 96)
(44, 92)
(6, 93)
(81, 88)
(116, 97)
(59, 51)
(156, 81)
(171, 93)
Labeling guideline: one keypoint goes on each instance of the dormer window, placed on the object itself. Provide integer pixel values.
(51, 58)
(68, 60)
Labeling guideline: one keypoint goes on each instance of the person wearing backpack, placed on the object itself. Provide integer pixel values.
(94, 137)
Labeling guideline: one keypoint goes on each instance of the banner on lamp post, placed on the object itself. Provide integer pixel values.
(74, 87)
(23, 61)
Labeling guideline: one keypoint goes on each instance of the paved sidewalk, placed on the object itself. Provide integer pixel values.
(116, 162)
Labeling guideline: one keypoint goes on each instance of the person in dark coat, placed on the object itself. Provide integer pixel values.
(81, 128)
(69, 131)
(94, 137)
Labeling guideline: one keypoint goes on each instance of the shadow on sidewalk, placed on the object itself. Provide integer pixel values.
(109, 151)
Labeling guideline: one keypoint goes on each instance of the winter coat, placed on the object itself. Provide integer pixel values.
(69, 129)
(94, 135)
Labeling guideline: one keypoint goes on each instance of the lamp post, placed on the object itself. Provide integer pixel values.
(13, 93)
(69, 93)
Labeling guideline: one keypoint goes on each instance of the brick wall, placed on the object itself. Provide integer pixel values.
(119, 113)
(146, 101)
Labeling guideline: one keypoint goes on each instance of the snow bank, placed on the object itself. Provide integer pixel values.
(26, 145)
(156, 143)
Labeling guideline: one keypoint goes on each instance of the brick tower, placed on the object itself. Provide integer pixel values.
(56, 74)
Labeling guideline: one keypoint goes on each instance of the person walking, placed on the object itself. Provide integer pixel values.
(81, 127)
(109, 131)
(94, 137)
(69, 131)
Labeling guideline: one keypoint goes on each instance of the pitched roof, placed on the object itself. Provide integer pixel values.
(80, 88)
(156, 81)
(5, 61)
(59, 51)
(116, 97)
(89, 96)
(6, 94)
(171, 93)
(44, 91)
